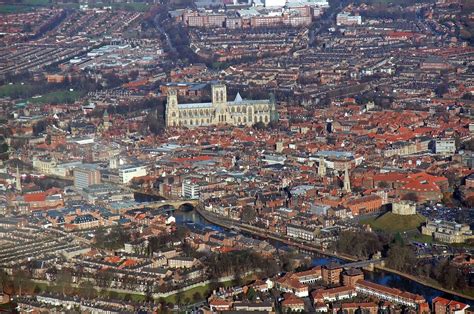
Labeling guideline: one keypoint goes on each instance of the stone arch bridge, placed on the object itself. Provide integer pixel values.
(170, 205)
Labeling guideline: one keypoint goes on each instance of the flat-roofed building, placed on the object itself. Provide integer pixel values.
(86, 175)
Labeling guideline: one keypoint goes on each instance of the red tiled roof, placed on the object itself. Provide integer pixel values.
(35, 197)
(292, 301)
(389, 291)
(451, 303)
(357, 305)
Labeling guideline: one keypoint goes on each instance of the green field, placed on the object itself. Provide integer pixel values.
(16, 90)
(395, 223)
(23, 6)
(140, 7)
(59, 97)
(36, 2)
(203, 291)
(423, 238)
(11, 8)
(30, 5)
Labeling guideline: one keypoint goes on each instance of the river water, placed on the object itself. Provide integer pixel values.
(380, 277)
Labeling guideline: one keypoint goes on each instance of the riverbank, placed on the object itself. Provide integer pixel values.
(219, 221)
(425, 283)
(231, 225)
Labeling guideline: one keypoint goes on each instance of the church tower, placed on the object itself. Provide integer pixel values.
(273, 108)
(172, 114)
(106, 119)
(219, 94)
(347, 181)
(322, 167)
(219, 102)
(18, 180)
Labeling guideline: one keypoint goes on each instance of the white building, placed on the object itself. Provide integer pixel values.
(128, 172)
(347, 19)
(190, 189)
(275, 3)
(300, 232)
(445, 146)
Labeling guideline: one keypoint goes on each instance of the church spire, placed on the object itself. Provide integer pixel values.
(347, 180)
(18, 179)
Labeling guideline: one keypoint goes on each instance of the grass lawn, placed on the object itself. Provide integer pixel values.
(137, 6)
(203, 291)
(36, 2)
(63, 96)
(11, 8)
(135, 297)
(423, 238)
(121, 295)
(395, 223)
(23, 6)
(468, 292)
(15, 90)
(30, 5)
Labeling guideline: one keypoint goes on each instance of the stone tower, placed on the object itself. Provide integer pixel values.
(219, 94)
(322, 167)
(273, 108)
(18, 180)
(172, 114)
(347, 181)
(106, 119)
(219, 102)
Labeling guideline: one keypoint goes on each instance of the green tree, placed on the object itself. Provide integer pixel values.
(401, 258)
(258, 126)
(4, 148)
(87, 289)
(197, 296)
(127, 297)
(21, 280)
(249, 214)
(113, 295)
(63, 281)
(179, 298)
(251, 294)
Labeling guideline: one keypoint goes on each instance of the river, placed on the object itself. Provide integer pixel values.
(378, 276)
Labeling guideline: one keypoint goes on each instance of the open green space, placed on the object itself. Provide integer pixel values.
(423, 238)
(23, 6)
(12, 8)
(30, 5)
(204, 291)
(57, 97)
(188, 294)
(121, 295)
(395, 223)
(137, 6)
(38, 3)
(16, 90)
(31, 94)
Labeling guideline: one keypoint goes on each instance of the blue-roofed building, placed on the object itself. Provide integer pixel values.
(86, 221)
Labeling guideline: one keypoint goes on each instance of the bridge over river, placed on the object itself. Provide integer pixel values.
(154, 201)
